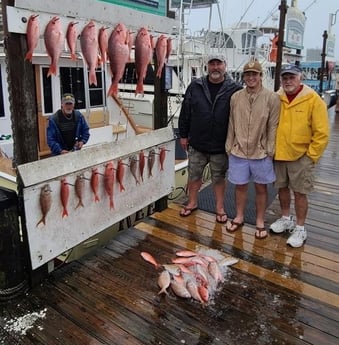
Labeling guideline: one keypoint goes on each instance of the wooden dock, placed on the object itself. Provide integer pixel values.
(275, 294)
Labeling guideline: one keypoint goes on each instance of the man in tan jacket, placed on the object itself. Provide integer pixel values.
(250, 144)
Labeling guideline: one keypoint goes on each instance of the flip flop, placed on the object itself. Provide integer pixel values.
(221, 216)
(187, 211)
(260, 230)
(236, 225)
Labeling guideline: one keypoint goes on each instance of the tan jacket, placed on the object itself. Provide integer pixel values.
(252, 126)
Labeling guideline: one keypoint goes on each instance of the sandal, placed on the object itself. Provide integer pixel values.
(234, 226)
(187, 211)
(219, 218)
(258, 233)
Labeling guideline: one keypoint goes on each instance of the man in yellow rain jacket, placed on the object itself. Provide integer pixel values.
(302, 136)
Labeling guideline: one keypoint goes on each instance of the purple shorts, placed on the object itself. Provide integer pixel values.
(242, 170)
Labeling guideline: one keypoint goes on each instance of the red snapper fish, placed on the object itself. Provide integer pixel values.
(71, 38)
(141, 164)
(79, 189)
(32, 35)
(45, 202)
(103, 44)
(143, 56)
(149, 258)
(160, 52)
(95, 183)
(150, 161)
(109, 182)
(120, 174)
(64, 195)
(162, 156)
(118, 54)
(133, 166)
(54, 43)
(89, 47)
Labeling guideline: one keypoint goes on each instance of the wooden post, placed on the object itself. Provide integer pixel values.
(160, 119)
(280, 43)
(22, 99)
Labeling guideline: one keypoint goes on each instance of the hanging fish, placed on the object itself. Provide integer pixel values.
(71, 38)
(109, 182)
(133, 166)
(141, 164)
(45, 202)
(79, 189)
(118, 54)
(103, 44)
(162, 156)
(143, 57)
(120, 174)
(32, 35)
(95, 183)
(160, 52)
(150, 161)
(54, 43)
(89, 47)
(64, 195)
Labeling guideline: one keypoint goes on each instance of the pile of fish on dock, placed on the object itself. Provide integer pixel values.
(193, 274)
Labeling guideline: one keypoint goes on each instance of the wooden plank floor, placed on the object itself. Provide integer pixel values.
(274, 295)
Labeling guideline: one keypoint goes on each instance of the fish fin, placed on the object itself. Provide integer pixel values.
(92, 78)
(64, 213)
(113, 90)
(73, 57)
(51, 70)
(139, 88)
(42, 220)
(96, 198)
(122, 188)
(80, 204)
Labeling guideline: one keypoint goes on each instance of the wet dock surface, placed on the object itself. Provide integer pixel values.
(275, 294)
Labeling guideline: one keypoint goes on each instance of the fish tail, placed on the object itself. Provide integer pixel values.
(73, 57)
(42, 220)
(92, 78)
(122, 188)
(140, 87)
(64, 213)
(51, 70)
(111, 203)
(29, 56)
(113, 90)
(80, 204)
(96, 198)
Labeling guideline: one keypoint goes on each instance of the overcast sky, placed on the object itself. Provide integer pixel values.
(261, 11)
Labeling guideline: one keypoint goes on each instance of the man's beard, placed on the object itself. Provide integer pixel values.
(68, 111)
(215, 75)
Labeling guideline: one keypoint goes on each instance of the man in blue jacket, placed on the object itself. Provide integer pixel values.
(67, 129)
(203, 123)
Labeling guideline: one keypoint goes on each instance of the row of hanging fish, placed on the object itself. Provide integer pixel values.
(192, 274)
(107, 178)
(98, 46)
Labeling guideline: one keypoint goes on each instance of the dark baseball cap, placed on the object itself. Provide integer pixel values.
(292, 69)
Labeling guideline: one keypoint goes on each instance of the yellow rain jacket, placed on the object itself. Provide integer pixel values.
(303, 126)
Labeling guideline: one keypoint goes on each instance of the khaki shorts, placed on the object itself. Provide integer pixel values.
(297, 175)
(197, 162)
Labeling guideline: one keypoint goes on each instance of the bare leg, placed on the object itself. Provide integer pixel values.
(240, 201)
(260, 204)
(285, 201)
(219, 192)
(193, 190)
(301, 207)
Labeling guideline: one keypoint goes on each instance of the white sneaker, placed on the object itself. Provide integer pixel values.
(297, 238)
(282, 224)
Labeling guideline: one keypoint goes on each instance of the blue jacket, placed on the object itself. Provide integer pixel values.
(205, 123)
(54, 137)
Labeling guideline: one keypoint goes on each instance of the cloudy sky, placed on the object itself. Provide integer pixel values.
(264, 11)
